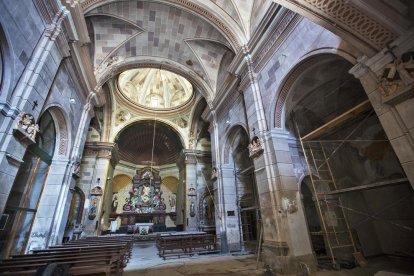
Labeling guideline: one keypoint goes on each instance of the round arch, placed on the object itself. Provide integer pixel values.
(133, 121)
(6, 65)
(63, 137)
(308, 60)
(230, 135)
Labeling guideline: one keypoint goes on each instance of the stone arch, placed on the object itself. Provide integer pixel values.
(138, 120)
(230, 136)
(63, 133)
(310, 59)
(6, 65)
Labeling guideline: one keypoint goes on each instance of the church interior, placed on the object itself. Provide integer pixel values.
(263, 137)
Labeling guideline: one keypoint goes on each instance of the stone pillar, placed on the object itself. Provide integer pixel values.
(286, 240)
(65, 196)
(25, 93)
(220, 218)
(392, 95)
(181, 197)
(231, 208)
(99, 160)
(191, 190)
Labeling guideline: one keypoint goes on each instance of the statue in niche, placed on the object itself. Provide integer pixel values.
(208, 210)
(146, 194)
(93, 208)
(214, 174)
(192, 209)
(127, 205)
(114, 204)
(133, 196)
(76, 169)
(172, 202)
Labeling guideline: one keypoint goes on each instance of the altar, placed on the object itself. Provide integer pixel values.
(145, 205)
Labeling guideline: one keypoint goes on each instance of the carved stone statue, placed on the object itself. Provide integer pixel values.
(397, 75)
(255, 147)
(26, 125)
(214, 174)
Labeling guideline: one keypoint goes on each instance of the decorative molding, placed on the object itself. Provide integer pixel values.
(9, 111)
(102, 150)
(346, 18)
(286, 88)
(54, 29)
(280, 33)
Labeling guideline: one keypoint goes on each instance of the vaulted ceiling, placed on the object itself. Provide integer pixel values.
(203, 40)
(135, 143)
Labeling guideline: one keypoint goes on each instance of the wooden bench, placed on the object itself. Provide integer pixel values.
(181, 245)
(89, 256)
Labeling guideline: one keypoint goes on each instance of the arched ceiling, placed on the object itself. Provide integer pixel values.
(158, 30)
(135, 143)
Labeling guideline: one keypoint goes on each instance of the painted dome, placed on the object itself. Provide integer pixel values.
(155, 88)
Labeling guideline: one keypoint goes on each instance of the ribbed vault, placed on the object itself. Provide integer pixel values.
(135, 143)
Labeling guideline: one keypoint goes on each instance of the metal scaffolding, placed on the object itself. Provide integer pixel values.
(335, 227)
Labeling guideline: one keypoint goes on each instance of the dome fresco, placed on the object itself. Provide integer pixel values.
(155, 88)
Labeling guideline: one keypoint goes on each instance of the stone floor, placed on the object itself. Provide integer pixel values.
(145, 262)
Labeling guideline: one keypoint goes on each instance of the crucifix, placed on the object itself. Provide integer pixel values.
(35, 104)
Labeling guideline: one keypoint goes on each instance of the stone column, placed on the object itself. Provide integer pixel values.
(97, 166)
(69, 182)
(231, 209)
(30, 88)
(190, 190)
(286, 241)
(388, 81)
(220, 218)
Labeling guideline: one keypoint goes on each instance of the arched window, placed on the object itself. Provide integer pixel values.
(27, 189)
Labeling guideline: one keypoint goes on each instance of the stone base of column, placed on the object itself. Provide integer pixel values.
(275, 256)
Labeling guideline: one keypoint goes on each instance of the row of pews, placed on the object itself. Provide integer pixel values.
(181, 244)
(88, 256)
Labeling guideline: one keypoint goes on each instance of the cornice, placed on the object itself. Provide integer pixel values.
(101, 149)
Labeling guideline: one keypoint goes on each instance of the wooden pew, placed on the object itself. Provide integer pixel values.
(84, 257)
(187, 244)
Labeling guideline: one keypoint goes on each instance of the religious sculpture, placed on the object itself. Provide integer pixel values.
(192, 209)
(26, 127)
(397, 75)
(114, 204)
(214, 174)
(93, 208)
(145, 195)
(172, 202)
(255, 147)
(76, 169)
